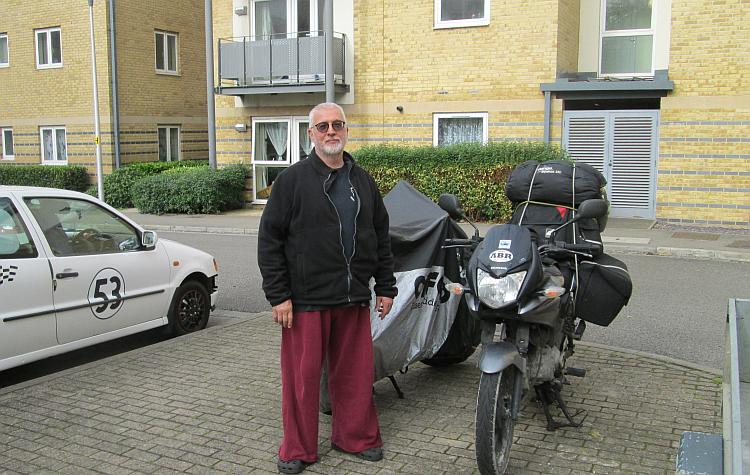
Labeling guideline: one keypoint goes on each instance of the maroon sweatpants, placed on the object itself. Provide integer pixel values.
(342, 335)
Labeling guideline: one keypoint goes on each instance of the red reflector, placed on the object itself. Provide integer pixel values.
(562, 210)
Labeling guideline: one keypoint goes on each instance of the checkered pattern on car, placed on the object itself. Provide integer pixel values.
(7, 274)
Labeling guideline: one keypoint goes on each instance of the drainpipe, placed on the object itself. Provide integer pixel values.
(547, 115)
(328, 27)
(115, 96)
(210, 85)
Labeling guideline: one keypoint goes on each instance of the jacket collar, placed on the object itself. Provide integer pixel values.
(323, 169)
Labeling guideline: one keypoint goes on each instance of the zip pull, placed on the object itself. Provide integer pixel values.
(351, 194)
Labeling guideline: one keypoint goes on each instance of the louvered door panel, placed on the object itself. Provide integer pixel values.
(633, 145)
(586, 140)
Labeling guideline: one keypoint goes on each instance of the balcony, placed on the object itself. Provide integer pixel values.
(288, 63)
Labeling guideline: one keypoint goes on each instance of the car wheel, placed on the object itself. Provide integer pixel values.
(191, 305)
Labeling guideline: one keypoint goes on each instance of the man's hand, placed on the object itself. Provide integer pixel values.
(383, 306)
(282, 313)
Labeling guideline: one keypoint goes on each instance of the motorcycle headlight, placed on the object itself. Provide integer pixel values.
(496, 293)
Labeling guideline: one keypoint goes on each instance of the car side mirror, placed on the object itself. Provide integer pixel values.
(148, 239)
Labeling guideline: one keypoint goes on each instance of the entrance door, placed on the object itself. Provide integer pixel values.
(623, 145)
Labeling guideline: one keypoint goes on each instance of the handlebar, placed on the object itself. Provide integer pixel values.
(584, 247)
(459, 242)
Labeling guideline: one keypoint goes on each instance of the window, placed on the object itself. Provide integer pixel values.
(448, 129)
(169, 143)
(75, 227)
(6, 140)
(458, 13)
(54, 145)
(627, 38)
(15, 242)
(48, 48)
(277, 143)
(4, 55)
(166, 52)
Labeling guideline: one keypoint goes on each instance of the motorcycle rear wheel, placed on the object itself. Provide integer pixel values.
(494, 422)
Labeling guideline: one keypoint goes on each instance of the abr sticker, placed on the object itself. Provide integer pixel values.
(504, 244)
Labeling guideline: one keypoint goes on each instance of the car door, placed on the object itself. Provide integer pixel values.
(104, 280)
(27, 315)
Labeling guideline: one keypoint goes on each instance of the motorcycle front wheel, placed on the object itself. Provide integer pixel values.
(494, 422)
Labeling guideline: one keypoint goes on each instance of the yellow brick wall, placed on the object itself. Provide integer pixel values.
(568, 13)
(31, 97)
(704, 154)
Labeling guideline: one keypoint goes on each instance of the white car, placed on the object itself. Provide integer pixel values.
(75, 272)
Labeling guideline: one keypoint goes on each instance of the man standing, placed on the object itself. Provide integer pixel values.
(322, 237)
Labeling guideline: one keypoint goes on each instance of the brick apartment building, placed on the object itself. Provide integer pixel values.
(46, 97)
(656, 93)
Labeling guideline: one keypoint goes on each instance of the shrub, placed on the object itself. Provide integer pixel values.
(191, 191)
(475, 173)
(69, 177)
(118, 184)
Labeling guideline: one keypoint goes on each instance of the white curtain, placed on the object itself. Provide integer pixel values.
(48, 144)
(263, 26)
(277, 134)
(304, 140)
(459, 130)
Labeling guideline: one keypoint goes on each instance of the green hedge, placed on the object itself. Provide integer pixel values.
(118, 184)
(191, 191)
(475, 173)
(69, 177)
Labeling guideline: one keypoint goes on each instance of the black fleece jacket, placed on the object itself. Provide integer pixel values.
(300, 252)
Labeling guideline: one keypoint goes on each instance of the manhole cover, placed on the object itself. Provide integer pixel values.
(740, 244)
(696, 236)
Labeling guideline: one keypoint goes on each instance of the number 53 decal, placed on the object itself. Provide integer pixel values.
(106, 292)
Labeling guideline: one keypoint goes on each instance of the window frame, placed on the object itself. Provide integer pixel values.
(19, 223)
(168, 128)
(459, 115)
(165, 53)
(54, 129)
(292, 147)
(7, 50)
(48, 47)
(3, 155)
(464, 23)
(603, 33)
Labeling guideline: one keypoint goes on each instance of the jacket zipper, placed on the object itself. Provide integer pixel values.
(341, 237)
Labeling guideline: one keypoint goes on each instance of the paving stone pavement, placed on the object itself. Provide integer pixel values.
(210, 403)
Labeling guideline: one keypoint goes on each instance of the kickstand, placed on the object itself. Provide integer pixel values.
(547, 394)
(396, 387)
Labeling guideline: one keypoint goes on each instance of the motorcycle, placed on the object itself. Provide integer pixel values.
(522, 288)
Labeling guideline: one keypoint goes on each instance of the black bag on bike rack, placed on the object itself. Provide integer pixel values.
(604, 287)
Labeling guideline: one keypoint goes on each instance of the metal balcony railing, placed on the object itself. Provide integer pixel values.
(291, 59)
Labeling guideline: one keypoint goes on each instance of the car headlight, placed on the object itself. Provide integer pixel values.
(496, 293)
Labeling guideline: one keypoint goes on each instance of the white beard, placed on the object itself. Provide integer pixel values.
(332, 149)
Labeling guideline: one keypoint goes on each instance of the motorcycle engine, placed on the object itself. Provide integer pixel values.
(543, 364)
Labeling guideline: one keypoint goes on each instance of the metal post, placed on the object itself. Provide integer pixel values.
(97, 135)
(115, 91)
(547, 115)
(328, 27)
(210, 85)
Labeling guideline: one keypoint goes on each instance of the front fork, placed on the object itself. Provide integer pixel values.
(496, 356)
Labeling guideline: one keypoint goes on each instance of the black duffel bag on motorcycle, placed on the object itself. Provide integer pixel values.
(604, 287)
(556, 181)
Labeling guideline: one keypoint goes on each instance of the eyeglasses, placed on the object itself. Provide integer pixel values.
(322, 127)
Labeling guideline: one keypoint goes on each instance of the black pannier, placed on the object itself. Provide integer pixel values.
(556, 181)
(604, 287)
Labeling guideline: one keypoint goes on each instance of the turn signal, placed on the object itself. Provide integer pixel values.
(552, 292)
(175, 263)
(454, 288)
(216, 265)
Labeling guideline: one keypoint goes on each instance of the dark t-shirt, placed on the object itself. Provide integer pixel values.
(346, 201)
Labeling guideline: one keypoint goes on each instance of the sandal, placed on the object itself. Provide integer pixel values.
(291, 466)
(373, 454)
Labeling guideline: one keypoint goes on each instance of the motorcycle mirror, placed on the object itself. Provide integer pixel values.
(450, 204)
(592, 209)
(595, 208)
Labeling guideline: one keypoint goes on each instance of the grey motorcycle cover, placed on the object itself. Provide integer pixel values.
(424, 311)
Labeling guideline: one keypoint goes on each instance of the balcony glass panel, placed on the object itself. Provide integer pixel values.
(627, 54)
